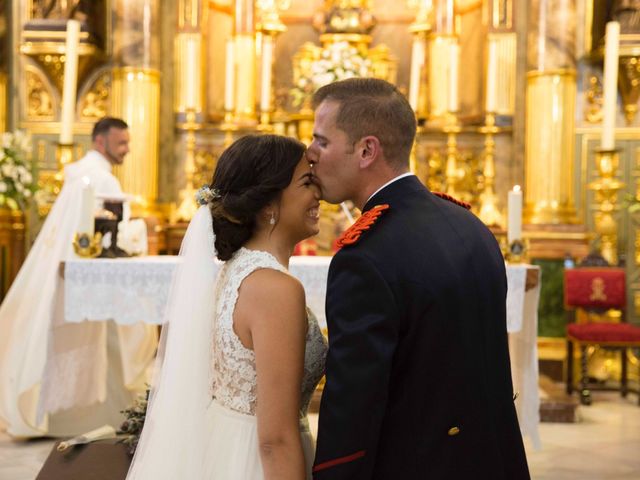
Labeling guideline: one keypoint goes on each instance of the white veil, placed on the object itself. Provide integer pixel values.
(174, 437)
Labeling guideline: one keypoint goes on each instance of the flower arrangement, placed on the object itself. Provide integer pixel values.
(131, 428)
(17, 184)
(338, 61)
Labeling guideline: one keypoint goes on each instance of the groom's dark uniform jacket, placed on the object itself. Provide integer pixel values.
(418, 376)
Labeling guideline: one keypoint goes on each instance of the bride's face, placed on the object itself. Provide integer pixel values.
(299, 210)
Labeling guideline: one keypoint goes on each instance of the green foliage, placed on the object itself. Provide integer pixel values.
(551, 316)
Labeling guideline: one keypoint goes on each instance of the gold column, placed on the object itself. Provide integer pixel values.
(135, 96)
(245, 54)
(550, 107)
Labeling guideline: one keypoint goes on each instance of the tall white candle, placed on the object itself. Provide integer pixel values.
(266, 73)
(67, 115)
(612, 40)
(514, 206)
(191, 77)
(229, 76)
(87, 207)
(492, 78)
(452, 100)
(418, 55)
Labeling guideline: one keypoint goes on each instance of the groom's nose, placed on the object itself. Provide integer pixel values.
(312, 155)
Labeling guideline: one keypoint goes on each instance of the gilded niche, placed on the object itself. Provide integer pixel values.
(39, 97)
(96, 102)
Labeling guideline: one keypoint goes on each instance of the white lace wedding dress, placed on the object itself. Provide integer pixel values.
(233, 448)
(200, 422)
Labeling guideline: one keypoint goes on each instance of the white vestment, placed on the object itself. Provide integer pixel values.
(56, 378)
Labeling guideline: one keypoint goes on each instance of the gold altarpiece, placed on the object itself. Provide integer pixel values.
(162, 66)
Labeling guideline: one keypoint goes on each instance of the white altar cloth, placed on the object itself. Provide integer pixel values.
(136, 289)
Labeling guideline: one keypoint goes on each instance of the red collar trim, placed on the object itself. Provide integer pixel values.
(368, 218)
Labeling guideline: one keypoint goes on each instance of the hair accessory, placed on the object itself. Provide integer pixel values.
(206, 195)
(272, 220)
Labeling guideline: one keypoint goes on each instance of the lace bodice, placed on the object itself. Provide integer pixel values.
(234, 382)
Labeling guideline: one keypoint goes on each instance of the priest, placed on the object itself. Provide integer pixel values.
(56, 378)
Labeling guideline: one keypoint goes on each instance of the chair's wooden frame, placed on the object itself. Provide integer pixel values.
(585, 386)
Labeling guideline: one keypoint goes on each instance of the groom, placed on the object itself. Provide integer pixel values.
(418, 376)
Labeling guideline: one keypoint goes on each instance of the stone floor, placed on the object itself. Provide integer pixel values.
(604, 445)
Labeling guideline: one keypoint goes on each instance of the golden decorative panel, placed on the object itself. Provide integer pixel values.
(205, 163)
(95, 103)
(40, 100)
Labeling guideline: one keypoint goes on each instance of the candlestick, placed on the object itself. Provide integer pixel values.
(492, 78)
(452, 104)
(417, 62)
(87, 207)
(192, 91)
(67, 115)
(610, 95)
(514, 206)
(266, 73)
(229, 76)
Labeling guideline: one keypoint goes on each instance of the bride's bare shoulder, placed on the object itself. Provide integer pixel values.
(273, 286)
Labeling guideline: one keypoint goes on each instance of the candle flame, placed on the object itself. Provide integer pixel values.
(86, 180)
(516, 188)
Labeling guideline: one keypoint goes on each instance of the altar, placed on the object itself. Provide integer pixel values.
(133, 290)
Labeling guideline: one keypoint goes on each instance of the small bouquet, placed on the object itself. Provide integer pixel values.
(17, 183)
(338, 61)
(131, 428)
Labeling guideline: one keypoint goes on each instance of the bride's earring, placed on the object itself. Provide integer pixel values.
(272, 220)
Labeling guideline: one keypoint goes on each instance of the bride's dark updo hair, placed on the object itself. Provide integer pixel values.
(252, 172)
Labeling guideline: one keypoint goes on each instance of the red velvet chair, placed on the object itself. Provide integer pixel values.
(597, 289)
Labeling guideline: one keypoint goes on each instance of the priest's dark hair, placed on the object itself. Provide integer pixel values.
(105, 124)
(249, 174)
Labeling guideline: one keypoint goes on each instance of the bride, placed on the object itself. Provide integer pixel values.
(240, 355)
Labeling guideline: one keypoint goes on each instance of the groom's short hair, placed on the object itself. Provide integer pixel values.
(370, 106)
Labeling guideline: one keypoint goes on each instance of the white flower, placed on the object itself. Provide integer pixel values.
(6, 170)
(7, 140)
(26, 178)
(3, 187)
(27, 193)
(323, 79)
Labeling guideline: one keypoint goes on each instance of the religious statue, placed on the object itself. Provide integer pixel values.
(344, 16)
(626, 12)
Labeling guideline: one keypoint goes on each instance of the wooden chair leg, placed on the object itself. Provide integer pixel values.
(569, 367)
(585, 394)
(623, 372)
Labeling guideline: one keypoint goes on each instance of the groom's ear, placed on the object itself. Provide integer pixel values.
(369, 150)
